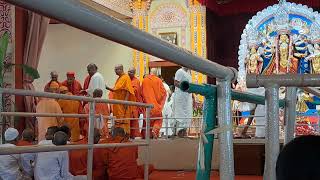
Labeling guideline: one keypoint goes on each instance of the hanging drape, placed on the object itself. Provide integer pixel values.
(36, 32)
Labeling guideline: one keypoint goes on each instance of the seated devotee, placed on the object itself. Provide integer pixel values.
(54, 78)
(9, 164)
(102, 109)
(66, 130)
(153, 92)
(53, 165)
(49, 136)
(71, 107)
(93, 81)
(48, 105)
(27, 159)
(78, 159)
(299, 159)
(124, 91)
(122, 161)
(72, 84)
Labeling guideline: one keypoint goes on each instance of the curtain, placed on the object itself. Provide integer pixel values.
(36, 32)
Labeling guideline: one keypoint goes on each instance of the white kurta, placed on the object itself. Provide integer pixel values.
(167, 112)
(182, 104)
(9, 165)
(52, 166)
(97, 82)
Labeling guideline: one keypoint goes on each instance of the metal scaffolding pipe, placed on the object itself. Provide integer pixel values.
(287, 80)
(78, 15)
(225, 137)
(27, 114)
(147, 149)
(50, 148)
(69, 97)
(90, 139)
(272, 132)
(312, 90)
(290, 114)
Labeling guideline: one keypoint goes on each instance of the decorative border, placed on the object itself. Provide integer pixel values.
(262, 16)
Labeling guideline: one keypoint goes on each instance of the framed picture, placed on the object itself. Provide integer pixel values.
(171, 37)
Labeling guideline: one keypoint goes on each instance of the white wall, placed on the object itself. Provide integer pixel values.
(69, 49)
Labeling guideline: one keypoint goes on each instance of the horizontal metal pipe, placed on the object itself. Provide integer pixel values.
(26, 114)
(312, 90)
(69, 97)
(78, 15)
(50, 148)
(287, 80)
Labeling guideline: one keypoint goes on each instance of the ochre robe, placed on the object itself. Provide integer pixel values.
(153, 92)
(71, 107)
(46, 87)
(78, 160)
(46, 105)
(74, 88)
(120, 111)
(101, 109)
(24, 143)
(136, 111)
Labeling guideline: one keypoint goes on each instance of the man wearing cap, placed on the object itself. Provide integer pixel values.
(72, 84)
(9, 164)
(54, 79)
(71, 107)
(48, 105)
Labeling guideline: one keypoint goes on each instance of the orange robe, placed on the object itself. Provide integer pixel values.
(74, 88)
(100, 108)
(134, 124)
(78, 160)
(121, 88)
(46, 105)
(24, 143)
(49, 83)
(71, 107)
(153, 92)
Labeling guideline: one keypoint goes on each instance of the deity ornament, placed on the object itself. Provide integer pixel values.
(301, 52)
(302, 106)
(253, 62)
(284, 53)
(268, 65)
(315, 59)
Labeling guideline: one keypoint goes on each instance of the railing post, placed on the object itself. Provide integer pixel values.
(3, 124)
(272, 131)
(167, 127)
(290, 114)
(147, 153)
(225, 137)
(90, 139)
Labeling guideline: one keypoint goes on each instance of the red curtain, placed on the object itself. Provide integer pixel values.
(249, 6)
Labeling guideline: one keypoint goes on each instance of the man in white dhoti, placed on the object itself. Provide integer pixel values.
(182, 103)
(53, 165)
(94, 81)
(10, 164)
(166, 111)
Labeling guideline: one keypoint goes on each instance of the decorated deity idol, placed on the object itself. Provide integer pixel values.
(315, 59)
(301, 52)
(283, 53)
(269, 64)
(254, 62)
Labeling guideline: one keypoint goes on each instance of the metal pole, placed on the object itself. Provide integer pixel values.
(3, 124)
(167, 127)
(290, 114)
(272, 131)
(27, 114)
(147, 153)
(79, 15)
(312, 90)
(90, 139)
(226, 137)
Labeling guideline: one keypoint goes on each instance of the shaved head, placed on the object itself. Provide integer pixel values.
(132, 72)
(97, 93)
(60, 138)
(118, 69)
(154, 71)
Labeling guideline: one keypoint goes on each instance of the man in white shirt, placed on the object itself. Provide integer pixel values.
(182, 103)
(96, 80)
(49, 136)
(10, 164)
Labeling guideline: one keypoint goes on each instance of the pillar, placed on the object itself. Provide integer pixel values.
(140, 60)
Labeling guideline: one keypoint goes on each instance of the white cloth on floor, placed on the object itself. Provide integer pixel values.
(97, 82)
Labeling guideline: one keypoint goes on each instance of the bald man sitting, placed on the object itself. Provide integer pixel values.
(124, 91)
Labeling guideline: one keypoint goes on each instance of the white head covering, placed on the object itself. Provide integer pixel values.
(11, 134)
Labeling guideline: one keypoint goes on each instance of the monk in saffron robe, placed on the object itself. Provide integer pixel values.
(136, 111)
(71, 107)
(124, 91)
(72, 84)
(102, 109)
(78, 159)
(153, 92)
(48, 105)
(54, 78)
(122, 162)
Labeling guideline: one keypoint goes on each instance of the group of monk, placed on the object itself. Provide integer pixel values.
(127, 88)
